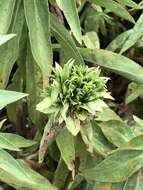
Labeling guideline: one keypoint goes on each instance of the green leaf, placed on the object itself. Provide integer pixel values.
(18, 175)
(65, 40)
(117, 167)
(129, 3)
(71, 14)
(76, 182)
(135, 35)
(33, 87)
(135, 182)
(134, 144)
(38, 21)
(65, 142)
(95, 140)
(91, 40)
(5, 38)
(44, 105)
(104, 186)
(14, 142)
(6, 13)
(93, 107)
(138, 120)
(117, 43)
(114, 62)
(9, 51)
(84, 156)
(60, 175)
(15, 110)
(137, 126)
(135, 91)
(106, 115)
(73, 125)
(115, 8)
(7, 97)
(116, 132)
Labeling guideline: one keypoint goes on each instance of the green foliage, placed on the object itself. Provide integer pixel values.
(60, 129)
(75, 94)
(38, 17)
(14, 142)
(71, 14)
(7, 97)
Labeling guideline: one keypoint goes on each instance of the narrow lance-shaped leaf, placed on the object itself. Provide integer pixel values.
(7, 97)
(135, 143)
(6, 13)
(114, 62)
(136, 34)
(33, 87)
(61, 174)
(66, 41)
(38, 21)
(129, 3)
(115, 8)
(95, 140)
(19, 175)
(14, 142)
(117, 43)
(117, 167)
(116, 132)
(15, 110)
(9, 51)
(65, 142)
(71, 14)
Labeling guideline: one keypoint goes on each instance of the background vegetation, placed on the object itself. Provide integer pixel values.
(36, 152)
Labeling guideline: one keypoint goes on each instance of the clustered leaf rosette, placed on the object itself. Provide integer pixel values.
(75, 94)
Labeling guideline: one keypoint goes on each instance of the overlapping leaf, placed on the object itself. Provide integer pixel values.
(129, 3)
(114, 62)
(9, 51)
(71, 14)
(95, 140)
(117, 167)
(91, 40)
(38, 21)
(117, 132)
(6, 13)
(135, 35)
(67, 149)
(7, 97)
(19, 175)
(14, 142)
(66, 41)
(115, 8)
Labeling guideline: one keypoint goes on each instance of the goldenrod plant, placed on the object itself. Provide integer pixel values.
(71, 94)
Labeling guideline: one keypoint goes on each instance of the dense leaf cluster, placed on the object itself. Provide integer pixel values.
(75, 93)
